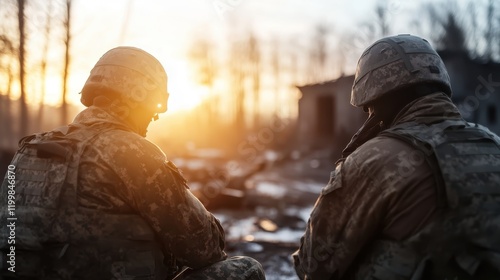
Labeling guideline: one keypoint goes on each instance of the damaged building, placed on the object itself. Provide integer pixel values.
(326, 118)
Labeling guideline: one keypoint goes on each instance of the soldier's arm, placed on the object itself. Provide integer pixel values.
(183, 226)
(346, 216)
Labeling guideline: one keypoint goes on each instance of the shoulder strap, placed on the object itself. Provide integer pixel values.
(467, 159)
(470, 164)
(413, 135)
(81, 136)
(65, 143)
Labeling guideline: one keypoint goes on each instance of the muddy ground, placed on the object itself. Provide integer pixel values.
(263, 206)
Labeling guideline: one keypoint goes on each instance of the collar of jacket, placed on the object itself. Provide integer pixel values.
(94, 115)
(429, 109)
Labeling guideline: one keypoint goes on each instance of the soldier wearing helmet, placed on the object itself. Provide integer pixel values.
(96, 200)
(416, 192)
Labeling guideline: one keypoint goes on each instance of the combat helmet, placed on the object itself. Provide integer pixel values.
(131, 74)
(396, 62)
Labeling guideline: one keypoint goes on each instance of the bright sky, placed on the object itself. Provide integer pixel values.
(165, 28)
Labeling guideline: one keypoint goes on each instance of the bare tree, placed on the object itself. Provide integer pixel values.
(453, 35)
(486, 35)
(43, 62)
(496, 35)
(489, 30)
(6, 56)
(203, 57)
(67, 45)
(318, 54)
(254, 69)
(276, 70)
(294, 61)
(448, 29)
(374, 28)
(473, 31)
(244, 77)
(382, 19)
(492, 32)
(236, 67)
(294, 50)
(22, 59)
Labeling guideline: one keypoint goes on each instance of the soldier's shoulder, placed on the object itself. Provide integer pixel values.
(380, 158)
(381, 148)
(122, 141)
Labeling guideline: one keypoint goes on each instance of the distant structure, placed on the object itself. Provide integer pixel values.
(476, 88)
(326, 119)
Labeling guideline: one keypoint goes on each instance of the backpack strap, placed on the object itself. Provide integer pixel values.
(467, 159)
(427, 151)
(81, 137)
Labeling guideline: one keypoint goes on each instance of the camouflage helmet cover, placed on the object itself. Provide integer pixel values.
(393, 63)
(131, 74)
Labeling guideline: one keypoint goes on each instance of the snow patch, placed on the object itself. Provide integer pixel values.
(270, 189)
(192, 164)
(282, 235)
(302, 213)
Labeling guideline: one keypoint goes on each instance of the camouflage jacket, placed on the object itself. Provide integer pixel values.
(125, 172)
(380, 194)
(122, 175)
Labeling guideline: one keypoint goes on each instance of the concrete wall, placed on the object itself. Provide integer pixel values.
(346, 118)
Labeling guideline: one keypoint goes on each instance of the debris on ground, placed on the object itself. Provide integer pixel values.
(263, 206)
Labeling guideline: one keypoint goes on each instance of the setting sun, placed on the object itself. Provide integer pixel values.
(185, 94)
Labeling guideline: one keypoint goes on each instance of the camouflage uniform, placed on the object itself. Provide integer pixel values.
(232, 268)
(128, 214)
(385, 215)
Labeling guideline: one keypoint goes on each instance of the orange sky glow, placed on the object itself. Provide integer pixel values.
(165, 29)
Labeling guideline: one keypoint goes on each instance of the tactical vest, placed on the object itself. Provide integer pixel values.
(464, 242)
(57, 239)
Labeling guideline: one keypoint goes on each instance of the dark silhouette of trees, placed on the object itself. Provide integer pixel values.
(237, 85)
(471, 28)
(491, 33)
(448, 30)
(319, 54)
(276, 65)
(203, 57)
(27, 25)
(254, 69)
(382, 23)
(67, 59)
(22, 72)
(7, 53)
(43, 63)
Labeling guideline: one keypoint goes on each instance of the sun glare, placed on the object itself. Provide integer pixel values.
(185, 94)
(53, 91)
